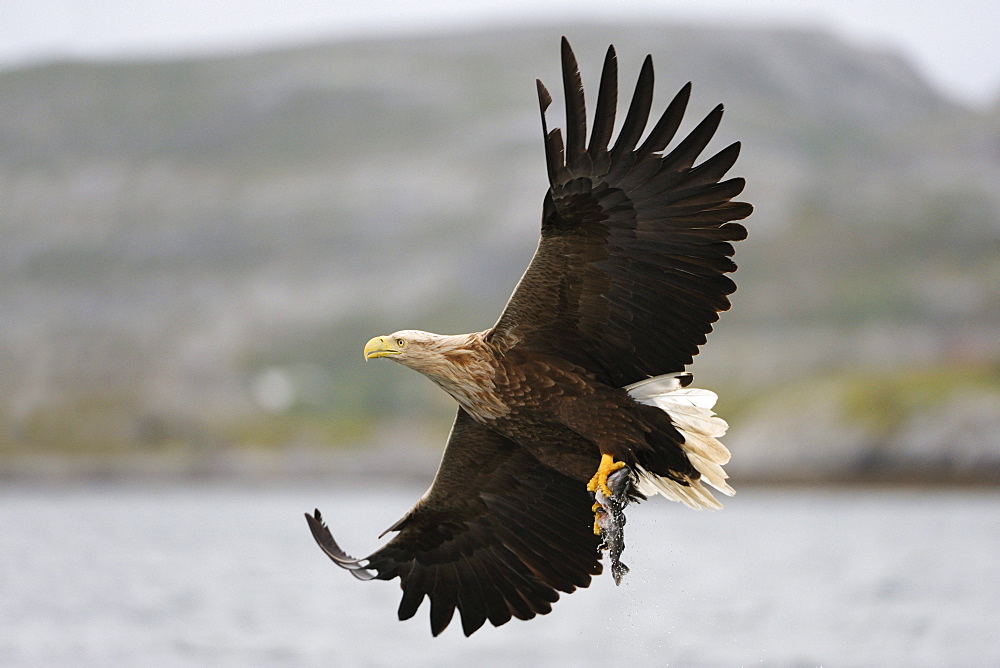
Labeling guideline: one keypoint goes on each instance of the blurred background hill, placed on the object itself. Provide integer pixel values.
(195, 250)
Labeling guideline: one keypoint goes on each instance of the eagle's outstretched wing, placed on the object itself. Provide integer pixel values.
(629, 274)
(496, 536)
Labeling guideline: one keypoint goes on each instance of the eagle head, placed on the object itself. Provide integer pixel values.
(423, 351)
(402, 346)
(459, 363)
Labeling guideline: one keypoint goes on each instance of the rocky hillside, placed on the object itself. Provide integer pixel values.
(195, 251)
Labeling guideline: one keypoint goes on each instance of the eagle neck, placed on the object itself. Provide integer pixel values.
(465, 368)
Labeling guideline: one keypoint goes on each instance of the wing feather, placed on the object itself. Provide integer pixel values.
(577, 159)
(636, 243)
(667, 126)
(687, 151)
(498, 535)
(607, 106)
(638, 111)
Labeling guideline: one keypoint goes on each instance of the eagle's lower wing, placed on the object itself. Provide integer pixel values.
(629, 274)
(496, 536)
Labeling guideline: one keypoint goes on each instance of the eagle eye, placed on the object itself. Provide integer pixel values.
(400, 342)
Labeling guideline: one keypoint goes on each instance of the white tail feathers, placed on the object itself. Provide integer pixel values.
(690, 409)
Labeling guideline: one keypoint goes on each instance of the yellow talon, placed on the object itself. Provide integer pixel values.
(597, 516)
(600, 479)
(600, 482)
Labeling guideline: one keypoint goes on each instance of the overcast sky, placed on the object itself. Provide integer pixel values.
(955, 43)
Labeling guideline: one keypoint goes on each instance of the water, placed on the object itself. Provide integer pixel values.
(229, 575)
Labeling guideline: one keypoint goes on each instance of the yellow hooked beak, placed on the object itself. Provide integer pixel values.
(381, 346)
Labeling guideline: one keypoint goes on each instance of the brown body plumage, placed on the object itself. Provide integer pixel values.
(626, 282)
(555, 409)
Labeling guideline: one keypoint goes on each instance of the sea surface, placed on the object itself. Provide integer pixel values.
(228, 575)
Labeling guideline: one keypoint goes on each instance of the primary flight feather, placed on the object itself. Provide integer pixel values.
(582, 374)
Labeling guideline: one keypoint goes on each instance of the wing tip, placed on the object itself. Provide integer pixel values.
(544, 97)
(565, 47)
(321, 533)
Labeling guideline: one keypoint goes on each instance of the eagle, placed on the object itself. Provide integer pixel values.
(583, 374)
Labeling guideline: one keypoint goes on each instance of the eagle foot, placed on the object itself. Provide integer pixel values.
(598, 511)
(599, 483)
